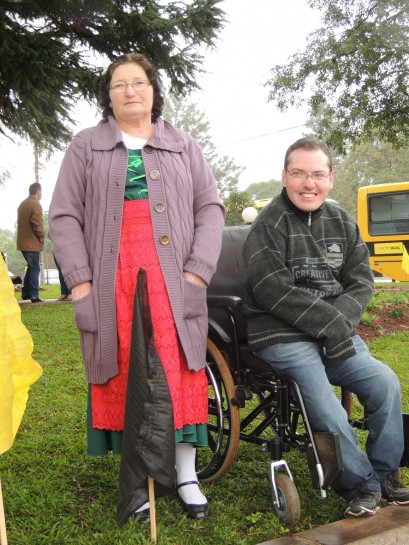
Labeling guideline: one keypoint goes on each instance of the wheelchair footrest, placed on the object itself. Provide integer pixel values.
(329, 455)
(242, 394)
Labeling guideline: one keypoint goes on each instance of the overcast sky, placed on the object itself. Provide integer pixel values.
(244, 126)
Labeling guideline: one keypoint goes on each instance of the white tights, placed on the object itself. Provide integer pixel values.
(185, 471)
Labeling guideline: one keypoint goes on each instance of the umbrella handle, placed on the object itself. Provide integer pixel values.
(152, 507)
(3, 533)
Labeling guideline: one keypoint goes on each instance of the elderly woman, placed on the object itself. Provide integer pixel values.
(134, 192)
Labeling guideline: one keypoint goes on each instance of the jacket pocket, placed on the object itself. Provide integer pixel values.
(84, 312)
(194, 300)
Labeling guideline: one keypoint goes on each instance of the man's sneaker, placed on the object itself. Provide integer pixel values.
(394, 491)
(364, 505)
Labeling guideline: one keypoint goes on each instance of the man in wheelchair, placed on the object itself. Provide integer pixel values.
(309, 281)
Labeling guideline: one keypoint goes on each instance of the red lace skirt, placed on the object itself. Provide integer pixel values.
(188, 389)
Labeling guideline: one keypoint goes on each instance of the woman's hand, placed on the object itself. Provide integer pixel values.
(190, 277)
(80, 291)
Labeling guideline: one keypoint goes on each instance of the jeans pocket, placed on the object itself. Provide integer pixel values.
(194, 300)
(84, 312)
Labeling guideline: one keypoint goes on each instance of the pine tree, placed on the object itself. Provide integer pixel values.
(53, 52)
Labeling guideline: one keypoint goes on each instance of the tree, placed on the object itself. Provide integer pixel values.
(188, 117)
(368, 164)
(48, 256)
(264, 190)
(235, 204)
(52, 54)
(355, 70)
(15, 260)
(4, 176)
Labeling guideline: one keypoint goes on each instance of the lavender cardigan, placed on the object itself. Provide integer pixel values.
(85, 220)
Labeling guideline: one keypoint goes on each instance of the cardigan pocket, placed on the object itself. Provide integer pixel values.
(194, 300)
(84, 313)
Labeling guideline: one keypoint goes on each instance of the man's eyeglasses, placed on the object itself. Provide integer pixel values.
(318, 176)
(121, 86)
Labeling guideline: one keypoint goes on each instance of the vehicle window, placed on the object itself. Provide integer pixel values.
(389, 214)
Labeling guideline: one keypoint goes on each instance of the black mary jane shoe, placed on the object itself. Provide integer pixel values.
(143, 516)
(194, 511)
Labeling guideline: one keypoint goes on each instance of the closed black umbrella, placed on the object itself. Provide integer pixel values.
(148, 447)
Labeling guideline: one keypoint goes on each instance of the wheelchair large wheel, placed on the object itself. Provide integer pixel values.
(223, 426)
(289, 510)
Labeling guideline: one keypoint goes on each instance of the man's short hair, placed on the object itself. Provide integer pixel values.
(310, 144)
(36, 186)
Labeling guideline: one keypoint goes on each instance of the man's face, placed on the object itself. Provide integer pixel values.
(307, 192)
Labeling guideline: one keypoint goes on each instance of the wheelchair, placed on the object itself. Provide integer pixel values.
(276, 419)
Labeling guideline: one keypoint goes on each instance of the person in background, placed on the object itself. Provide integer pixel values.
(309, 282)
(135, 192)
(65, 290)
(30, 240)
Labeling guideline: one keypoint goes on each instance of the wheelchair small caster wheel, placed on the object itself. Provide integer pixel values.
(289, 508)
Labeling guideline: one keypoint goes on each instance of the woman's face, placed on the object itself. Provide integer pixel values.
(127, 103)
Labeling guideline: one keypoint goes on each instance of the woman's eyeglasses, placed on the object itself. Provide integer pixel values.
(121, 86)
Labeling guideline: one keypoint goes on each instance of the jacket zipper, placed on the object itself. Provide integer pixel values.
(309, 219)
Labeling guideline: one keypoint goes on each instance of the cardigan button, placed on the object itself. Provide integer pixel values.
(148, 149)
(164, 240)
(159, 207)
(154, 174)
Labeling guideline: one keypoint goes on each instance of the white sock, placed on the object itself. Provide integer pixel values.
(144, 506)
(185, 470)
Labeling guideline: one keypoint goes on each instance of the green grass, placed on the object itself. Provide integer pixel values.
(55, 495)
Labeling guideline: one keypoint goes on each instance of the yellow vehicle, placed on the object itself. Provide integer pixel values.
(261, 203)
(383, 219)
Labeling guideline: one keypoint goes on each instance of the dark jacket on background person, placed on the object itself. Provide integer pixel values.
(309, 277)
(30, 228)
(187, 217)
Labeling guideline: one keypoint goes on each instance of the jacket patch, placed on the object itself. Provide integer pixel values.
(315, 276)
(335, 254)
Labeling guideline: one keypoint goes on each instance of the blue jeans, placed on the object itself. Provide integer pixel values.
(377, 389)
(31, 282)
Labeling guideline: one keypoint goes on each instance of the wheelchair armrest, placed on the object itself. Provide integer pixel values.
(219, 301)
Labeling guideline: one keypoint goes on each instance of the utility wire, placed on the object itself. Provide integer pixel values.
(263, 135)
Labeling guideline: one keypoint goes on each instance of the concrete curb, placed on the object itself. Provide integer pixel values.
(390, 526)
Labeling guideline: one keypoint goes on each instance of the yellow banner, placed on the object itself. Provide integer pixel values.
(388, 248)
(18, 370)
